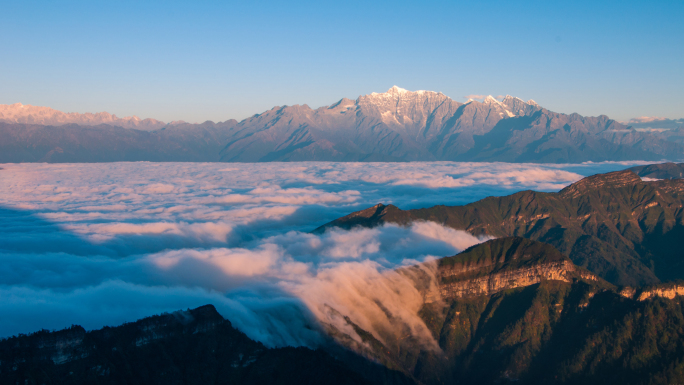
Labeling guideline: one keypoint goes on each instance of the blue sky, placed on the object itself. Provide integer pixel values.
(199, 61)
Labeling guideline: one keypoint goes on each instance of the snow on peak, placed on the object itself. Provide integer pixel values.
(490, 99)
(509, 97)
(28, 114)
(396, 89)
(532, 103)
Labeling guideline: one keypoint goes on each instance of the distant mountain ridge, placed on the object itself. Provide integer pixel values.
(27, 114)
(397, 125)
(424, 125)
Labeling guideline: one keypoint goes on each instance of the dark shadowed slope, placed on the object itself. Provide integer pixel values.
(625, 230)
(186, 347)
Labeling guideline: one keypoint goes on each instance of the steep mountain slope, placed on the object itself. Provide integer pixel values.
(528, 315)
(623, 229)
(561, 332)
(27, 114)
(425, 125)
(397, 125)
(186, 347)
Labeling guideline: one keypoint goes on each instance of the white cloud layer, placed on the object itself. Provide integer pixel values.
(101, 244)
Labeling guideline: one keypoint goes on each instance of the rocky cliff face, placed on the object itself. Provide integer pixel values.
(504, 264)
(563, 271)
(669, 291)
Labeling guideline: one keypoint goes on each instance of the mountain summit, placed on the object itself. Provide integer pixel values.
(424, 125)
(397, 125)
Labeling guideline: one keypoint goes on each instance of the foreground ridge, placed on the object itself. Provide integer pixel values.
(508, 309)
(195, 346)
(517, 310)
(619, 227)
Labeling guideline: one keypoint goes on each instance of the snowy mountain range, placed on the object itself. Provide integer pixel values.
(397, 125)
(19, 113)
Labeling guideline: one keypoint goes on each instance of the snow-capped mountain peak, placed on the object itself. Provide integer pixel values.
(397, 90)
(490, 99)
(28, 114)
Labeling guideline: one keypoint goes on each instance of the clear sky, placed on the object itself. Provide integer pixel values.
(199, 61)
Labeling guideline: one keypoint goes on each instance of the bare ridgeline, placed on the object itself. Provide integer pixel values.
(580, 286)
(397, 125)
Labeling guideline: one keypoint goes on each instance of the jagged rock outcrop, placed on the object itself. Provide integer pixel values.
(504, 264)
(668, 290)
(621, 228)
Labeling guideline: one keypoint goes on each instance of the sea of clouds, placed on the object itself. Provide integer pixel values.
(102, 244)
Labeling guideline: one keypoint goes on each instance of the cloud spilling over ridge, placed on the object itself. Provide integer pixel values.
(101, 244)
(298, 276)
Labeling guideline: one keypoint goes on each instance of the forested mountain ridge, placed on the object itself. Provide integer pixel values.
(195, 346)
(621, 228)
